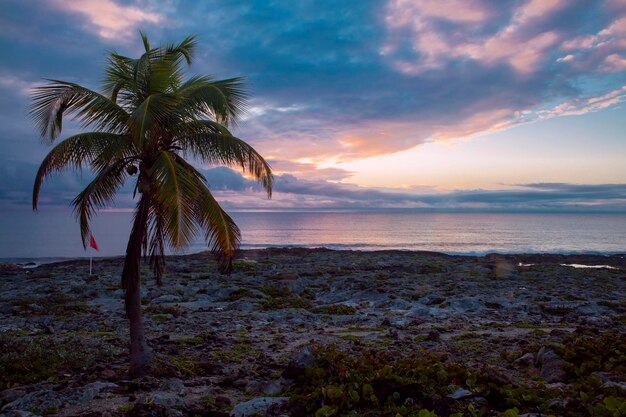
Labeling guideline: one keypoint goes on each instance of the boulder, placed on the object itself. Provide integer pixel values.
(460, 393)
(258, 405)
(304, 359)
(90, 391)
(164, 399)
(11, 394)
(167, 298)
(37, 400)
(525, 360)
(552, 366)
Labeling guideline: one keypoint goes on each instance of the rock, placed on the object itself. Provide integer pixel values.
(222, 402)
(174, 385)
(275, 387)
(464, 305)
(153, 410)
(90, 391)
(10, 395)
(420, 311)
(499, 376)
(38, 400)
(164, 399)
(612, 384)
(460, 393)
(525, 360)
(258, 405)
(19, 413)
(304, 359)
(552, 366)
(108, 374)
(433, 335)
(167, 298)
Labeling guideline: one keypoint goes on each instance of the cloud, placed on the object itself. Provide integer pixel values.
(14, 82)
(308, 170)
(522, 43)
(109, 19)
(346, 81)
(350, 91)
(234, 191)
(585, 105)
(292, 193)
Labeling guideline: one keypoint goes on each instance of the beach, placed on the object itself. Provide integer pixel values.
(223, 342)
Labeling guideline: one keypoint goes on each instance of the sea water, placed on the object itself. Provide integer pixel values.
(55, 233)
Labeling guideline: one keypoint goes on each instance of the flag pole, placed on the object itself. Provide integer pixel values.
(90, 261)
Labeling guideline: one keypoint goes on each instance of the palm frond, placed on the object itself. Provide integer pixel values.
(154, 111)
(200, 139)
(234, 91)
(119, 79)
(223, 100)
(98, 193)
(50, 102)
(156, 245)
(175, 190)
(76, 152)
(145, 40)
(220, 231)
(186, 49)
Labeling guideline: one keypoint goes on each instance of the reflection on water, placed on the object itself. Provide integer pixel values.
(56, 234)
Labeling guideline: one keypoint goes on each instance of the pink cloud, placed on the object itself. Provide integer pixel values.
(614, 63)
(108, 19)
(516, 44)
(612, 35)
(600, 52)
(585, 105)
(536, 8)
(404, 12)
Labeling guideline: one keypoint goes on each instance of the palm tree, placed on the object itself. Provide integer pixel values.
(147, 122)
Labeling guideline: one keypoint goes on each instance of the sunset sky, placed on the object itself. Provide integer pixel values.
(436, 105)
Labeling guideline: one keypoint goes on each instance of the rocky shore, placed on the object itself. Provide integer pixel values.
(315, 332)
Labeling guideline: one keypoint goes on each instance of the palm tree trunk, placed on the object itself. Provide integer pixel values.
(140, 354)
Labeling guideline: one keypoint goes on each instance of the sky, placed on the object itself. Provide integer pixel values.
(457, 105)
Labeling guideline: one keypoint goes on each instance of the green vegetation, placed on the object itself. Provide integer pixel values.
(280, 298)
(26, 360)
(161, 309)
(56, 304)
(379, 383)
(274, 292)
(238, 293)
(286, 302)
(188, 341)
(337, 309)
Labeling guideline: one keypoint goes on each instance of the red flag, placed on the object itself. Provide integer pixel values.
(92, 242)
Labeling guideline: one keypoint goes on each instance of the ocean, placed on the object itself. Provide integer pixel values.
(54, 234)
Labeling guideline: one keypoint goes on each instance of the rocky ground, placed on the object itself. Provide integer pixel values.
(301, 332)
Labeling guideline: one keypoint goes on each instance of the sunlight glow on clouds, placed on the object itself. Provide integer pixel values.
(112, 21)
